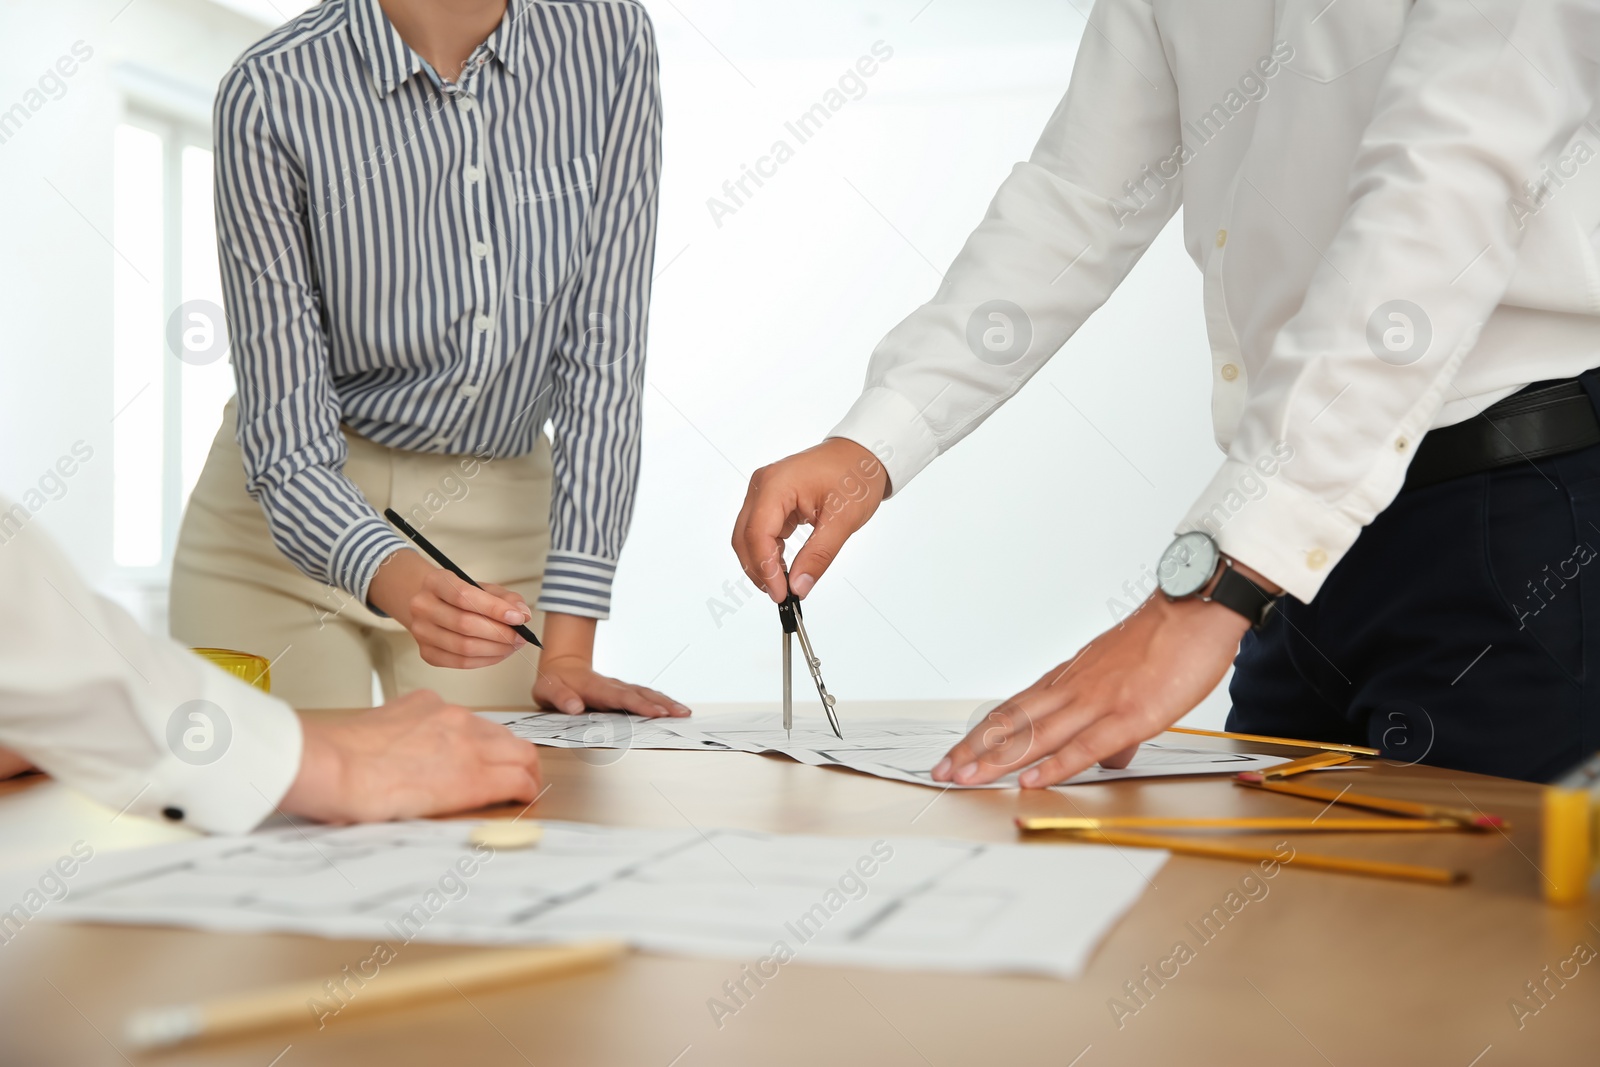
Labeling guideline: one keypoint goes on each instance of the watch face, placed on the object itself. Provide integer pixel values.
(1188, 564)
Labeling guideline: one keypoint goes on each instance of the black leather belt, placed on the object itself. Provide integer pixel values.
(1545, 419)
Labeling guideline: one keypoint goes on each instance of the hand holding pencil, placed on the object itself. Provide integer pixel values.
(456, 621)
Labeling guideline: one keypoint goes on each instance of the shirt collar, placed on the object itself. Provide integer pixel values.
(506, 42)
(392, 61)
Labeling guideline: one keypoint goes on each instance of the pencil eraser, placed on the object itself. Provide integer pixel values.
(506, 833)
(1250, 776)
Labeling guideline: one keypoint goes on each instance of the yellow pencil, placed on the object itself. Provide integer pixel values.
(1211, 850)
(1314, 762)
(286, 1004)
(1258, 824)
(1328, 746)
(1256, 780)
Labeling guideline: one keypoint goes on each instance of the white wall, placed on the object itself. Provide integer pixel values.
(993, 565)
(56, 259)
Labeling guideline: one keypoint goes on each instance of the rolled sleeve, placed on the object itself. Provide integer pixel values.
(577, 585)
(360, 551)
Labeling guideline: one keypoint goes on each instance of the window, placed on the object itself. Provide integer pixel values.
(170, 378)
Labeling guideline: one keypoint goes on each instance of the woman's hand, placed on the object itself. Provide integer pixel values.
(568, 681)
(454, 623)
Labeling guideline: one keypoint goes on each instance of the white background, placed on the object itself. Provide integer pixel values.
(995, 564)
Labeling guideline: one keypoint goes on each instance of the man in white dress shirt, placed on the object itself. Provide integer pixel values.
(1394, 211)
(145, 726)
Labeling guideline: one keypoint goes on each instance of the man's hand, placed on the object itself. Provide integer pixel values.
(568, 681)
(833, 487)
(455, 624)
(1128, 685)
(413, 757)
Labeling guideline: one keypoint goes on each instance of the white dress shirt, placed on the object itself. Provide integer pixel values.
(136, 722)
(1331, 160)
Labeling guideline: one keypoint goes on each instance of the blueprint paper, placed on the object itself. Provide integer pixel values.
(903, 750)
(903, 902)
(601, 729)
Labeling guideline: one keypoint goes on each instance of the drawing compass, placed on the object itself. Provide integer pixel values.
(794, 626)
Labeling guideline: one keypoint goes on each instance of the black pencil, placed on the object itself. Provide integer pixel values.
(444, 561)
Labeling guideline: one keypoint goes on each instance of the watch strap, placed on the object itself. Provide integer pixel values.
(1238, 593)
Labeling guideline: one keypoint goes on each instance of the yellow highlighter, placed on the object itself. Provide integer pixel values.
(244, 666)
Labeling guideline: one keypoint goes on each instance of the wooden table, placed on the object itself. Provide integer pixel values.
(1323, 969)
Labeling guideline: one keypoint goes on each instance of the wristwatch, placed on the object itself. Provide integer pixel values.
(1193, 562)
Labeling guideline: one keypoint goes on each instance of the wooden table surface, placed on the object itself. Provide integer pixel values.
(1322, 969)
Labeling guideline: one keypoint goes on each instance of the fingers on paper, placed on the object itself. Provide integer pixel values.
(557, 695)
(1001, 741)
(1118, 760)
(1103, 740)
(641, 701)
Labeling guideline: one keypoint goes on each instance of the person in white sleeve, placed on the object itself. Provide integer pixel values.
(1394, 206)
(142, 725)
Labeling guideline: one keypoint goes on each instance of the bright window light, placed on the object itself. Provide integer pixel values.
(138, 228)
(207, 387)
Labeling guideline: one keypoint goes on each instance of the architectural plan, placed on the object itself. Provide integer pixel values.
(906, 902)
(601, 729)
(904, 750)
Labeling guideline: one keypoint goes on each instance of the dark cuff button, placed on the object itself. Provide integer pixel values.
(175, 814)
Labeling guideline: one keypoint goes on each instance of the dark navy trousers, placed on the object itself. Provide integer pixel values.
(1462, 630)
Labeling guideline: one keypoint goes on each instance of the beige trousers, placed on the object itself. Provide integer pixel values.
(232, 588)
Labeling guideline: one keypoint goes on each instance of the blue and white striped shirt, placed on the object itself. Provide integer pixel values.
(443, 267)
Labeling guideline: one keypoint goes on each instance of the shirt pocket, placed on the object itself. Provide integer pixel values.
(550, 215)
(1332, 39)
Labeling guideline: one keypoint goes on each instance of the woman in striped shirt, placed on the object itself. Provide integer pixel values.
(436, 224)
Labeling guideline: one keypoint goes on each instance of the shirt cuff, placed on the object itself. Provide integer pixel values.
(891, 428)
(577, 584)
(260, 744)
(1274, 526)
(358, 554)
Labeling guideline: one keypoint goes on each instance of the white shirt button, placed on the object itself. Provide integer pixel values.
(1316, 559)
(1222, 238)
(441, 442)
(482, 323)
(474, 174)
(466, 103)
(469, 391)
(1229, 372)
(480, 249)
